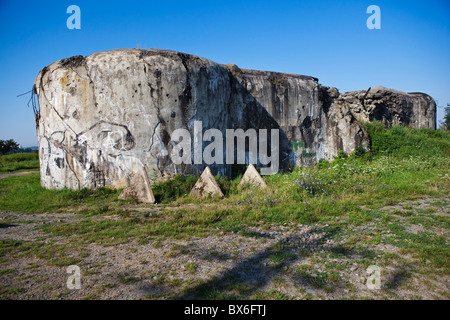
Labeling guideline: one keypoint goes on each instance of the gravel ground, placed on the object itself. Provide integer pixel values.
(281, 262)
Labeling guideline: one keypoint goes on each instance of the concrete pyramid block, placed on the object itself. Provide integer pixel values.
(206, 186)
(252, 177)
(139, 187)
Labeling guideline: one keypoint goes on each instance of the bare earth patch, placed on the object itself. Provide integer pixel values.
(16, 174)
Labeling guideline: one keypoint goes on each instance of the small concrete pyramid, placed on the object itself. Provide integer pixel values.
(252, 177)
(139, 187)
(206, 186)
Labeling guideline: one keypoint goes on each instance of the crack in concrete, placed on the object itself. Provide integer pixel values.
(153, 136)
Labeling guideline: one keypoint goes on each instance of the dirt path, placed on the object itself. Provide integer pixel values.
(13, 174)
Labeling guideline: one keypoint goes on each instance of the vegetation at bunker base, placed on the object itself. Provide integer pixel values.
(25, 194)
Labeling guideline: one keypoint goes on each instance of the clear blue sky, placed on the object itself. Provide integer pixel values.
(325, 39)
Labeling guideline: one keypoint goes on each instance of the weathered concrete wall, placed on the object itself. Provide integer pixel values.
(104, 116)
(389, 106)
(314, 124)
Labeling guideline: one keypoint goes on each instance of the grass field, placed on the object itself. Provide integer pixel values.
(19, 162)
(314, 228)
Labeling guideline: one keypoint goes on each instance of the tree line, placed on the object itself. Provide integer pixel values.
(11, 146)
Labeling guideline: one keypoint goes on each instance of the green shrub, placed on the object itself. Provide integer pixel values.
(406, 141)
(174, 188)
